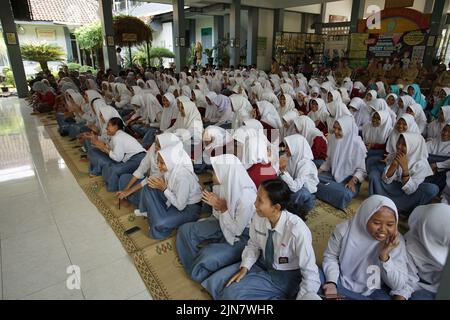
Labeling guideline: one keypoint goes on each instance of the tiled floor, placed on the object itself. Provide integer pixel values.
(48, 224)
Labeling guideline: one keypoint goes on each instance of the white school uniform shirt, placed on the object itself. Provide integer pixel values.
(191, 122)
(125, 95)
(301, 170)
(427, 244)
(418, 165)
(292, 242)
(441, 148)
(182, 184)
(346, 156)
(123, 147)
(352, 250)
(411, 125)
(239, 191)
(336, 109)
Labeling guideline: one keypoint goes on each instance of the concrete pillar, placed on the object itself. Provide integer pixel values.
(192, 32)
(428, 6)
(68, 44)
(109, 47)
(357, 13)
(218, 29)
(438, 17)
(179, 34)
(235, 31)
(13, 48)
(322, 17)
(252, 35)
(278, 23)
(304, 22)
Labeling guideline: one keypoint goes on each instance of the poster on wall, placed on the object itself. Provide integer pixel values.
(397, 46)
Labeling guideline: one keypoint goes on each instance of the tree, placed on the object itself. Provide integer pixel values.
(90, 38)
(158, 54)
(42, 53)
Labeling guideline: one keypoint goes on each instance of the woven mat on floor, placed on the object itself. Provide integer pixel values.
(157, 261)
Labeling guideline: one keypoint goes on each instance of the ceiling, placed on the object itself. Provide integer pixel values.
(270, 4)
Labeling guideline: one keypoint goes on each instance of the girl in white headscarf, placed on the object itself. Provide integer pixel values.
(416, 111)
(435, 127)
(288, 123)
(252, 146)
(153, 87)
(298, 170)
(359, 90)
(269, 118)
(427, 243)
(186, 91)
(347, 83)
(226, 231)
(439, 156)
(286, 88)
(170, 111)
(403, 103)
(360, 112)
(344, 95)
(336, 108)
(211, 114)
(404, 174)
(242, 109)
(123, 97)
(381, 105)
(106, 93)
(188, 118)
(376, 133)
(286, 104)
(319, 114)
(131, 184)
(315, 138)
(344, 170)
(369, 240)
(392, 102)
(217, 141)
(225, 111)
(381, 91)
(371, 97)
(272, 98)
(175, 198)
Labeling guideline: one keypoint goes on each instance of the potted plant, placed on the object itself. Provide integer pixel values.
(209, 54)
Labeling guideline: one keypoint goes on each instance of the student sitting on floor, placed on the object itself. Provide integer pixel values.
(319, 114)
(45, 98)
(226, 232)
(217, 141)
(375, 135)
(251, 146)
(435, 127)
(298, 170)
(344, 170)
(289, 124)
(336, 108)
(427, 244)
(404, 175)
(360, 112)
(242, 109)
(269, 118)
(174, 199)
(168, 117)
(368, 242)
(278, 261)
(439, 157)
(419, 116)
(132, 184)
(316, 140)
(125, 154)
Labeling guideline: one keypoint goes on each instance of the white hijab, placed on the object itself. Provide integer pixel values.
(359, 249)
(411, 124)
(346, 152)
(438, 147)
(380, 134)
(336, 109)
(419, 116)
(169, 113)
(269, 114)
(219, 138)
(242, 110)
(301, 154)
(233, 179)
(428, 241)
(322, 113)
(290, 105)
(307, 128)
(362, 116)
(178, 163)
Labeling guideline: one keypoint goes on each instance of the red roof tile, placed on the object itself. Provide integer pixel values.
(67, 11)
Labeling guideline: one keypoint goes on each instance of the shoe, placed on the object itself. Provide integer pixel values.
(83, 149)
(138, 213)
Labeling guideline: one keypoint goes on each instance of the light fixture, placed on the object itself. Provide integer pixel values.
(20, 29)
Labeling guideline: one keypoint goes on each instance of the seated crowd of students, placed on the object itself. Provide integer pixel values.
(274, 144)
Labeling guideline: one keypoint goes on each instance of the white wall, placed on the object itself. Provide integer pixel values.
(29, 35)
(164, 39)
(312, 8)
(292, 22)
(265, 29)
(200, 23)
(340, 8)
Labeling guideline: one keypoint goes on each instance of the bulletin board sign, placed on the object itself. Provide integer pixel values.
(11, 38)
(46, 34)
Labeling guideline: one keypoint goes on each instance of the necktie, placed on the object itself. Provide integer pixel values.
(268, 253)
